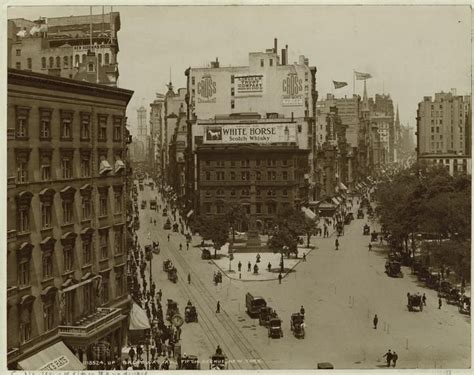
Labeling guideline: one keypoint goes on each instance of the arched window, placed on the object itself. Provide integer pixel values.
(90, 67)
(76, 60)
(51, 62)
(43, 62)
(100, 58)
(58, 62)
(107, 59)
(65, 62)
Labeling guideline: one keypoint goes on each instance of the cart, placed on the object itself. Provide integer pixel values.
(189, 362)
(296, 325)
(360, 213)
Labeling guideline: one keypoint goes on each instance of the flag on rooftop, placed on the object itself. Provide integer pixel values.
(362, 76)
(338, 85)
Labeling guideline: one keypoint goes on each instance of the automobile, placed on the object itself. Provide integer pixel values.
(266, 314)
(190, 314)
(444, 288)
(366, 230)
(165, 212)
(453, 296)
(153, 204)
(296, 325)
(254, 304)
(167, 225)
(173, 275)
(274, 328)
(172, 309)
(432, 280)
(205, 254)
(189, 362)
(415, 302)
(393, 268)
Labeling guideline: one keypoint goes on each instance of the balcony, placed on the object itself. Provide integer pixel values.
(11, 236)
(11, 182)
(89, 324)
(11, 291)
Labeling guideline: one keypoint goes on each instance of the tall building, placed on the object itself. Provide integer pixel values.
(63, 46)
(67, 221)
(156, 135)
(444, 130)
(140, 142)
(250, 135)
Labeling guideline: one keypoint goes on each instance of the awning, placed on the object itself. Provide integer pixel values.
(342, 186)
(104, 167)
(190, 213)
(138, 319)
(308, 213)
(56, 357)
(119, 165)
(336, 202)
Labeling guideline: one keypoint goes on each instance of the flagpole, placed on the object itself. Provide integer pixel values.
(353, 82)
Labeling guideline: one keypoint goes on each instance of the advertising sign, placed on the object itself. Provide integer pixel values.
(206, 90)
(251, 85)
(55, 364)
(292, 87)
(253, 133)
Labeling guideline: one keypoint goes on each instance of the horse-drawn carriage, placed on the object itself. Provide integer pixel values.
(374, 236)
(340, 229)
(175, 227)
(296, 324)
(167, 224)
(205, 254)
(171, 309)
(173, 275)
(219, 361)
(274, 328)
(189, 362)
(370, 210)
(360, 213)
(444, 288)
(366, 231)
(165, 212)
(415, 302)
(167, 265)
(349, 217)
(454, 296)
(432, 279)
(218, 277)
(190, 314)
(393, 268)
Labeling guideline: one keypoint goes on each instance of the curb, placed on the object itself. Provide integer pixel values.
(272, 279)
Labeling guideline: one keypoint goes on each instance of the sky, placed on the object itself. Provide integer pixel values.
(411, 51)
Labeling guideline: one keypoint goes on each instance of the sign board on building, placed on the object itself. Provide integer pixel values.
(206, 89)
(292, 87)
(250, 85)
(55, 364)
(250, 133)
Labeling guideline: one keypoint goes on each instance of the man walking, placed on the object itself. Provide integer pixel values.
(388, 356)
(440, 303)
(189, 278)
(218, 309)
(279, 278)
(239, 266)
(376, 321)
(249, 267)
(394, 358)
(424, 299)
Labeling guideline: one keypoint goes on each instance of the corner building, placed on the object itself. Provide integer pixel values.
(66, 251)
(250, 136)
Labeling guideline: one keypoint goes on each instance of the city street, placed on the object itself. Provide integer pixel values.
(340, 290)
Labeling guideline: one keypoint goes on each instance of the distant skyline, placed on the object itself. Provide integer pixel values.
(411, 51)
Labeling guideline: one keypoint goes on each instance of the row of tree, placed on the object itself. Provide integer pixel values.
(427, 200)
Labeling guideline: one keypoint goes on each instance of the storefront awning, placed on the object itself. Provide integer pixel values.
(308, 213)
(335, 201)
(138, 319)
(190, 213)
(342, 186)
(56, 357)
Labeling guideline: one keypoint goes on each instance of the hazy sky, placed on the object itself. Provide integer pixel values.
(410, 51)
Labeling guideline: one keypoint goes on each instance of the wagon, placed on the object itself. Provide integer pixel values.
(189, 362)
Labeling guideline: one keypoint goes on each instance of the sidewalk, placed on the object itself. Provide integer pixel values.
(263, 274)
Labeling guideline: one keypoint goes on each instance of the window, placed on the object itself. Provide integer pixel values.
(306, 76)
(25, 325)
(219, 208)
(285, 175)
(232, 78)
(271, 175)
(102, 134)
(86, 208)
(47, 265)
(51, 62)
(245, 192)
(85, 126)
(232, 176)
(18, 65)
(48, 315)
(193, 80)
(104, 244)
(284, 162)
(258, 192)
(207, 208)
(65, 62)
(18, 52)
(261, 62)
(232, 192)
(258, 162)
(220, 163)
(107, 59)
(232, 104)
(300, 128)
(66, 167)
(118, 242)
(99, 57)
(220, 176)
(105, 289)
(245, 163)
(258, 175)
(69, 307)
(87, 252)
(22, 171)
(45, 124)
(432, 129)
(441, 121)
(90, 67)
(232, 91)
(67, 212)
(118, 202)
(46, 214)
(120, 281)
(232, 163)
(258, 207)
(271, 62)
(85, 165)
(208, 176)
(271, 208)
(271, 162)
(22, 115)
(432, 137)
(29, 63)
(285, 192)
(58, 62)
(24, 273)
(103, 204)
(23, 219)
(220, 192)
(66, 128)
(437, 129)
(245, 176)
(117, 129)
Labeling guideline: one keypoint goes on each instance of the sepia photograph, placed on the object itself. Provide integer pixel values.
(240, 187)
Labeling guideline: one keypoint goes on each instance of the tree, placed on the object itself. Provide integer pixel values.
(283, 239)
(235, 215)
(213, 229)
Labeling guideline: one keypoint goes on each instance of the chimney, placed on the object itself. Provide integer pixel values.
(283, 57)
(275, 43)
(286, 54)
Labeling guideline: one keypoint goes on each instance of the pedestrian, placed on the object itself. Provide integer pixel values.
(180, 246)
(302, 311)
(189, 278)
(168, 238)
(152, 351)
(187, 246)
(337, 244)
(131, 353)
(218, 309)
(139, 352)
(439, 303)
(269, 267)
(424, 299)
(394, 358)
(159, 295)
(239, 266)
(376, 320)
(388, 356)
(258, 258)
(370, 246)
(304, 257)
(249, 266)
(279, 278)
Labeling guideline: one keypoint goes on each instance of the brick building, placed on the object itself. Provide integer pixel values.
(66, 253)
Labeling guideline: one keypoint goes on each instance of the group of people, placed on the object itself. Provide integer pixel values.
(391, 358)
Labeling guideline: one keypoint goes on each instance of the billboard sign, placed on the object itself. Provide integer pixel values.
(254, 133)
(206, 90)
(292, 87)
(250, 85)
